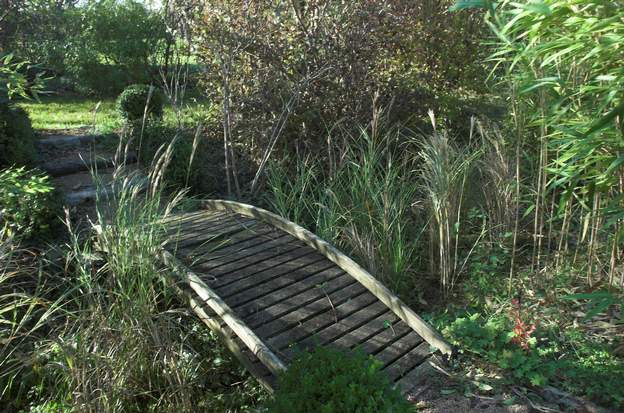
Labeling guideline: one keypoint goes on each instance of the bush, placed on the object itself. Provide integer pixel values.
(133, 100)
(28, 203)
(17, 138)
(328, 381)
(205, 174)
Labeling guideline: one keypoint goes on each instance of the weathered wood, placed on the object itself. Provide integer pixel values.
(346, 263)
(249, 361)
(335, 314)
(249, 266)
(398, 348)
(251, 340)
(297, 295)
(301, 265)
(352, 339)
(221, 230)
(418, 375)
(408, 361)
(385, 338)
(246, 253)
(228, 236)
(176, 221)
(202, 224)
(344, 326)
(275, 289)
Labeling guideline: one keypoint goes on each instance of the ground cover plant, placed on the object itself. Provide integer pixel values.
(328, 380)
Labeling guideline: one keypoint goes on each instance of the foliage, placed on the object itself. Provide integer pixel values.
(557, 58)
(29, 204)
(487, 267)
(13, 79)
(298, 67)
(363, 203)
(102, 46)
(17, 138)
(107, 333)
(492, 339)
(137, 101)
(118, 44)
(196, 160)
(444, 171)
(557, 355)
(327, 380)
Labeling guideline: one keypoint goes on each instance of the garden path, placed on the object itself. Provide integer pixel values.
(81, 164)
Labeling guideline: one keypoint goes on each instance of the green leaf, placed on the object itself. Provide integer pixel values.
(538, 7)
(606, 119)
(469, 4)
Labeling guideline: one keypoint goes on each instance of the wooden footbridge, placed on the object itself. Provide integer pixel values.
(270, 288)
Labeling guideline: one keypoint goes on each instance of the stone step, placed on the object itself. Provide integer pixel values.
(82, 161)
(79, 188)
(66, 141)
(89, 194)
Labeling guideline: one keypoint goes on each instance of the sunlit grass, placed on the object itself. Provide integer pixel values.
(78, 112)
(73, 112)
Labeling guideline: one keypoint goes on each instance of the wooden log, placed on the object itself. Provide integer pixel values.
(208, 296)
(371, 283)
(230, 342)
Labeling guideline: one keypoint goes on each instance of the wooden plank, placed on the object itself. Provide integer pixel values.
(342, 327)
(282, 279)
(251, 340)
(272, 278)
(202, 233)
(209, 260)
(249, 266)
(373, 285)
(189, 221)
(408, 361)
(186, 216)
(385, 338)
(234, 282)
(417, 376)
(293, 319)
(284, 301)
(334, 314)
(352, 339)
(228, 236)
(231, 341)
(399, 348)
(194, 230)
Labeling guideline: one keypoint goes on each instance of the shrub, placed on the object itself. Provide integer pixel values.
(200, 168)
(28, 202)
(133, 100)
(327, 380)
(17, 138)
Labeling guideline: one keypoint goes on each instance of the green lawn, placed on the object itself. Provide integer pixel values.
(78, 112)
(73, 112)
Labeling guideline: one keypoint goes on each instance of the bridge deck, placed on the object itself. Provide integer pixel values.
(271, 293)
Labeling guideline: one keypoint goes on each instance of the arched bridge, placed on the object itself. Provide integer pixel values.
(269, 288)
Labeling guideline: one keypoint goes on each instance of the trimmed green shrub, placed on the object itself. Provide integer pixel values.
(28, 203)
(133, 100)
(329, 381)
(17, 138)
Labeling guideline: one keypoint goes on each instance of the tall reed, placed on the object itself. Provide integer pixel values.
(444, 171)
(364, 204)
